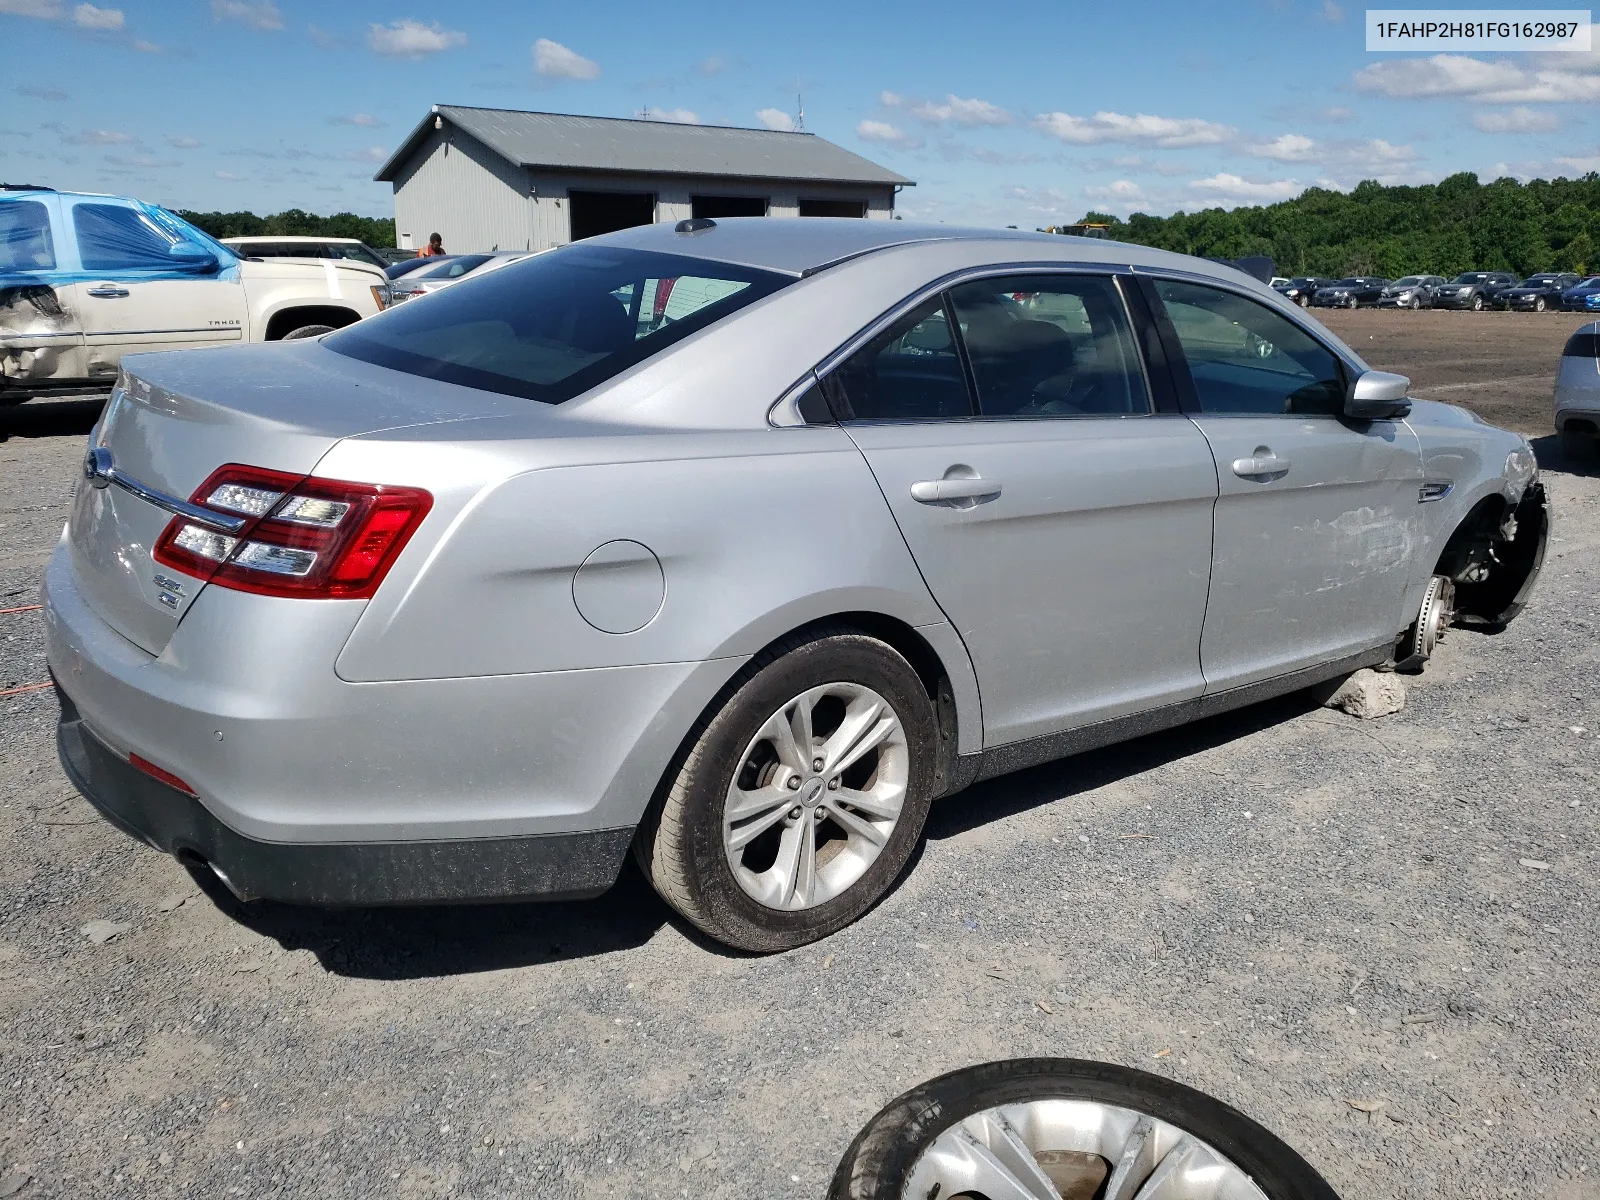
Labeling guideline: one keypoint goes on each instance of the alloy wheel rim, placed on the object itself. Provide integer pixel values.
(1070, 1149)
(816, 796)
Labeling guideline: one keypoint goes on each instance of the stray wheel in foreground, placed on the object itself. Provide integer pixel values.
(1065, 1129)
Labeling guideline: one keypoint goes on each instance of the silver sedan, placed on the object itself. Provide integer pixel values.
(735, 545)
(1578, 392)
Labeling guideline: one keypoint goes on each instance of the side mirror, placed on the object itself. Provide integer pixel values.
(1377, 396)
(190, 256)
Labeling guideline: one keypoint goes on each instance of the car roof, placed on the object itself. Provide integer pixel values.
(805, 245)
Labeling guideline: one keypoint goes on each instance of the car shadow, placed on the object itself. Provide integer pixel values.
(464, 939)
(50, 418)
(1008, 795)
(1551, 457)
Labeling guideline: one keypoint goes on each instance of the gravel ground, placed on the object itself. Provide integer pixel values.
(1377, 938)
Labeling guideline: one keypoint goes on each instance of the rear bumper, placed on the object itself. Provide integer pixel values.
(547, 867)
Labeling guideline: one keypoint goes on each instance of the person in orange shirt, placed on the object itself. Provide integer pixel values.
(434, 248)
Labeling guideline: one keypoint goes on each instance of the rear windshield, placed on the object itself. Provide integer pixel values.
(454, 268)
(1583, 344)
(1470, 277)
(555, 325)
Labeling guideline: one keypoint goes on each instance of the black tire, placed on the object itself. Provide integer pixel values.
(878, 1162)
(1305, 301)
(1477, 304)
(679, 844)
(1539, 304)
(307, 331)
(1577, 445)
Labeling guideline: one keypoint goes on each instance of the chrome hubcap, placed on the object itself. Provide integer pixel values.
(1069, 1150)
(817, 793)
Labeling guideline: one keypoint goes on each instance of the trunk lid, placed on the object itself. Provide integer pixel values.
(175, 418)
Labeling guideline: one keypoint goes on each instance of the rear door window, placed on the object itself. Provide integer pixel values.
(25, 241)
(910, 371)
(556, 324)
(1050, 346)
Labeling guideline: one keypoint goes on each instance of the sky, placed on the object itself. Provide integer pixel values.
(1018, 114)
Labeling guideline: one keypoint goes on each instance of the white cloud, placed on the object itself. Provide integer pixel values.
(675, 116)
(372, 154)
(144, 47)
(43, 10)
(1579, 166)
(713, 65)
(412, 39)
(54, 95)
(889, 135)
(260, 15)
(100, 137)
(229, 177)
(555, 61)
(182, 142)
(101, 20)
(1166, 132)
(1227, 186)
(1331, 11)
(1124, 190)
(953, 110)
(143, 161)
(1521, 119)
(361, 120)
(1460, 76)
(1288, 147)
(776, 118)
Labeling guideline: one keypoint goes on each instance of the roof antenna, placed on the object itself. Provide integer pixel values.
(800, 119)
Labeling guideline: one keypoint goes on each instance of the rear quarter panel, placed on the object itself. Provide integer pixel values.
(756, 533)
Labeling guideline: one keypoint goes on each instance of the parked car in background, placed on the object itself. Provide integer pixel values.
(474, 599)
(1277, 283)
(1413, 291)
(407, 265)
(1474, 290)
(1578, 393)
(85, 279)
(350, 249)
(1537, 293)
(1585, 297)
(1353, 292)
(1300, 289)
(443, 272)
(393, 254)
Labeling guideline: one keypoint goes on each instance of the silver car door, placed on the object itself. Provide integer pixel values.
(1063, 526)
(1317, 517)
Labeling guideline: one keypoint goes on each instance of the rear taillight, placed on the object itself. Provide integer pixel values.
(307, 537)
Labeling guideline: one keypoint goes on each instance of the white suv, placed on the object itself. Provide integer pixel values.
(85, 279)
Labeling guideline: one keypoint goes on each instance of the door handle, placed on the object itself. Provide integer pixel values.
(107, 291)
(1262, 462)
(936, 491)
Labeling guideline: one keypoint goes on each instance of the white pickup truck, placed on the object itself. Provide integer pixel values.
(85, 279)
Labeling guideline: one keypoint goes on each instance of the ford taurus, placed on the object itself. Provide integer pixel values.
(735, 544)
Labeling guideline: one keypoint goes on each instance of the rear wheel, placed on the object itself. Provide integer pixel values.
(801, 799)
(1577, 445)
(1064, 1129)
(307, 331)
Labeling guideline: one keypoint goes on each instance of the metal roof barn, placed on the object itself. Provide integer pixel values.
(501, 179)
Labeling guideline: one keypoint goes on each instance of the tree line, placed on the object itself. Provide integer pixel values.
(377, 232)
(1444, 228)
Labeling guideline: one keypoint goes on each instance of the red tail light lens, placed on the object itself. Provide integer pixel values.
(139, 762)
(307, 537)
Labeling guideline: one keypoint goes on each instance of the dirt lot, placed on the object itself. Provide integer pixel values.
(1380, 939)
(1502, 365)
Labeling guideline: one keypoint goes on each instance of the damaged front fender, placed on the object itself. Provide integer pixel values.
(1495, 556)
